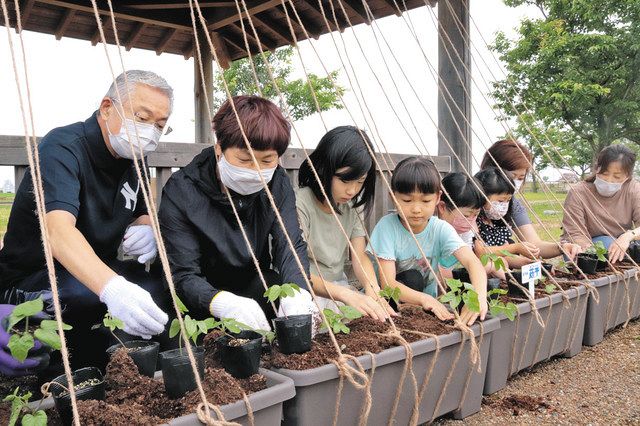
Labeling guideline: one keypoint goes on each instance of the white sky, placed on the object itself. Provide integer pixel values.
(69, 77)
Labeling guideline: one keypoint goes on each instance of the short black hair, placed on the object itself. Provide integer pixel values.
(344, 146)
(415, 174)
(461, 191)
(493, 181)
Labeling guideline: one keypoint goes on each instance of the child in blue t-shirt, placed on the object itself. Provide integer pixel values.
(416, 186)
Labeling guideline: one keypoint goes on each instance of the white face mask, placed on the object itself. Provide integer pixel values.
(242, 180)
(606, 189)
(518, 183)
(147, 137)
(497, 210)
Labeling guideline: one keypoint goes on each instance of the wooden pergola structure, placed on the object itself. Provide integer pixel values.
(164, 26)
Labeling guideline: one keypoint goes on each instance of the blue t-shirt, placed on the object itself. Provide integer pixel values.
(390, 240)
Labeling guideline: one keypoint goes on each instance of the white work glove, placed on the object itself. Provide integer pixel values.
(242, 309)
(140, 241)
(300, 304)
(134, 306)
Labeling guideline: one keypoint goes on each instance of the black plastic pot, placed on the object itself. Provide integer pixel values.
(548, 267)
(241, 361)
(602, 265)
(588, 263)
(61, 396)
(461, 274)
(177, 372)
(514, 290)
(143, 353)
(634, 251)
(493, 284)
(293, 333)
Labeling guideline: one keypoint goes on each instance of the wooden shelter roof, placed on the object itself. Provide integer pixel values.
(164, 26)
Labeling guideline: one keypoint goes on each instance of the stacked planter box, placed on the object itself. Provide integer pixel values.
(562, 335)
(612, 309)
(316, 389)
(266, 404)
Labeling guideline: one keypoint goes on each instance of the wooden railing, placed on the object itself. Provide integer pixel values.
(171, 155)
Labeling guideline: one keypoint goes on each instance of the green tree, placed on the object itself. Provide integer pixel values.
(296, 92)
(577, 69)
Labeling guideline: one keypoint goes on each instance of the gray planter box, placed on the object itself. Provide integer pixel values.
(612, 309)
(316, 389)
(509, 353)
(266, 404)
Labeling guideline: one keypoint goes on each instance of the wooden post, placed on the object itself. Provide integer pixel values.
(454, 124)
(202, 116)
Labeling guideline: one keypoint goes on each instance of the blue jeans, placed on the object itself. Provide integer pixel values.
(606, 240)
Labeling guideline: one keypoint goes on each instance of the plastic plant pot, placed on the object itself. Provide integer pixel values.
(88, 383)
(143, 353)
(461, 274)
(493, 284)
(603, 264)
(244, 360)
(514, 290)
(293, 333)
(177, 372)
(634, 251)
(547, 267)
(588, 263)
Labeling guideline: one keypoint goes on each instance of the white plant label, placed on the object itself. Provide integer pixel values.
(531, 273)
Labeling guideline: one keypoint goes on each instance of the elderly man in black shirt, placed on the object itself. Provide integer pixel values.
(94, 205)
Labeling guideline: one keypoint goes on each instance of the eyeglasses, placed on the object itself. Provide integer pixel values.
(164, 130)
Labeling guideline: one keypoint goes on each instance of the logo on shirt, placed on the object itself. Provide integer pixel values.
(130, 196)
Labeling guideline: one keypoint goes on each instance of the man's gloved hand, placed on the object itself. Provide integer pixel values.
(9, 366)
(243, 309)
(300, 304)
(134, 306)
(140, 241)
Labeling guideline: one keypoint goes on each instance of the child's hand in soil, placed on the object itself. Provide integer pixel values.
(368, 306)
(527, 249)
(618, 248)
(468, 317)
(572, 250)
(429, 303)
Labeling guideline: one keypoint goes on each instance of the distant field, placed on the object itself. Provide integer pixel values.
(545, 202)
(4, 218)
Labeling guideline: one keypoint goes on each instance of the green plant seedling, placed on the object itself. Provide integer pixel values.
(193, 328)
(113, 324)
(337, 320)
(460, 292)
(281, 291)
(390, 293)
(20, 407)
(495, 259)
(563, 266)
(549, 288)
(599, 250)
(268, 335)
(497, 307)
(21, 341)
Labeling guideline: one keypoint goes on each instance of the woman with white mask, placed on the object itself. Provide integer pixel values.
(212, 267)
(494, 220)
(605, 206)
(515, 160)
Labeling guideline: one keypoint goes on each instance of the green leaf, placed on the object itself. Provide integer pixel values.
(190, 326)
(273, 293)
(48, 337)
(455, 302)
(447, 297)
(471, 300)
(232, 325)
(454, 284)
(210, 323)
(506, 253)
(20, 346)
(202, 326)
(181, 306)
(174, 329)
(53, 325)
(499, 264)
(498, 291)
(39, 418)
(549, 288)
(288, 290)
(350, 312)
(24, 310)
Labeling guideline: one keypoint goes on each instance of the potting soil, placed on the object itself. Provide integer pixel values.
(366, 335)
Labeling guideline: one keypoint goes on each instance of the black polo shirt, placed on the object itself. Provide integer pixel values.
(79, 176)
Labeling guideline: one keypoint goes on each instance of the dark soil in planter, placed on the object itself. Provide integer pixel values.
(5, 414)
(25, 383)
(540, 291)
(365, 336)
(143, 401)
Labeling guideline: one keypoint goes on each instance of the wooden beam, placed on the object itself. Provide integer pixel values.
(275, 27)
(220, 44)
(203, 113)
(26, 7)
(266, 42)
(64, 23)
(354, 7)
(135, 35)
(164, 19)
(311, 27)
(315, 7)
(183, 5)
(221, 19)
(164, 41)
(454, 103)
(392, 5)
(106, 26)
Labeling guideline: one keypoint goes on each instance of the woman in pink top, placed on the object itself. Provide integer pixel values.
(606, 206)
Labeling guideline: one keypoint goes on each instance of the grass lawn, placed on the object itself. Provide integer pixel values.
(548, 211)
(4, 218)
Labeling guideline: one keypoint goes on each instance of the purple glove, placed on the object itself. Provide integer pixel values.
(9, 366)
